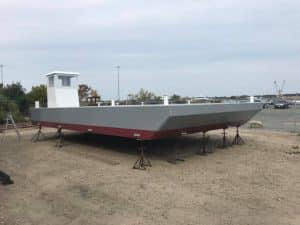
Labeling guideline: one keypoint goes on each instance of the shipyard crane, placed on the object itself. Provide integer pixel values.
(279, 90)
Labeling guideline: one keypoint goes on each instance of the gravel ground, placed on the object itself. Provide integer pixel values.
(90, 181)
(280, 119)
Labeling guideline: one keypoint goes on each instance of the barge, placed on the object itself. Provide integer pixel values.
(141, 122)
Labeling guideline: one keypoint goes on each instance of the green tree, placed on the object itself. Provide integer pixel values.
(176, 99)
(16, 93)
(37, 93)
(143, 96)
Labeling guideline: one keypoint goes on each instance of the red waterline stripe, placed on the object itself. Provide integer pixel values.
(135, 133)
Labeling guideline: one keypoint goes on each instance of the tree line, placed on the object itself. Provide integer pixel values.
(14, 99)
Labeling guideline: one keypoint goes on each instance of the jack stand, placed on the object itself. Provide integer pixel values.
(238, 140)
(204, 142)
(59, 135)
(38, 135)
(142, 162)
(224, 140)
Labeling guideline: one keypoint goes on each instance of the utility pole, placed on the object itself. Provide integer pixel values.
(2, 83)
(118, 74)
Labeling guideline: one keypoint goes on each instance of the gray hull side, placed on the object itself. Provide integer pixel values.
(154, 118)
(209, 115)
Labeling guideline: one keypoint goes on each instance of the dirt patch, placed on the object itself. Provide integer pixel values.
(90, 181)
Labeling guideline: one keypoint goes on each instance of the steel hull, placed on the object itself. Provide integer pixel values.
(147, 122)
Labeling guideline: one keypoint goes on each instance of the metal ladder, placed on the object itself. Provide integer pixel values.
(10, 122)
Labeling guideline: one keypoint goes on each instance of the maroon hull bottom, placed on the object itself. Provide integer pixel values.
(137, 134)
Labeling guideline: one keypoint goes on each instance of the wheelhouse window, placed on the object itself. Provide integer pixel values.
(51, 82)
(66, 81)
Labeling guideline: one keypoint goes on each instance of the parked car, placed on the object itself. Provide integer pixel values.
(281, 104)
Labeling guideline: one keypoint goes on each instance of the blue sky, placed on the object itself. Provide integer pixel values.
(188, 47)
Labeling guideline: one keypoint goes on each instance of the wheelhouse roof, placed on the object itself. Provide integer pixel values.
(63, 73)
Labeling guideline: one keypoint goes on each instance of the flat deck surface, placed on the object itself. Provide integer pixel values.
(90, 181)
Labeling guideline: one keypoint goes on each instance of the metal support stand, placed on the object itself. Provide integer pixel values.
(11, 122)
(238, 140)
(142, 162)
(204, 142)
(38, 135)
(224, 140)
(59, 135)
(175, 159)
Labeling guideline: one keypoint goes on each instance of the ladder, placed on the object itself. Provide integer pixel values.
(10, 122)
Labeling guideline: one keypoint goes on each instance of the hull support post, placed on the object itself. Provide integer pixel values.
(224, 139)
(142, 162)
(38, 135)
(175, 159)
(59, 135)
(204, 145)
(238, 140)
